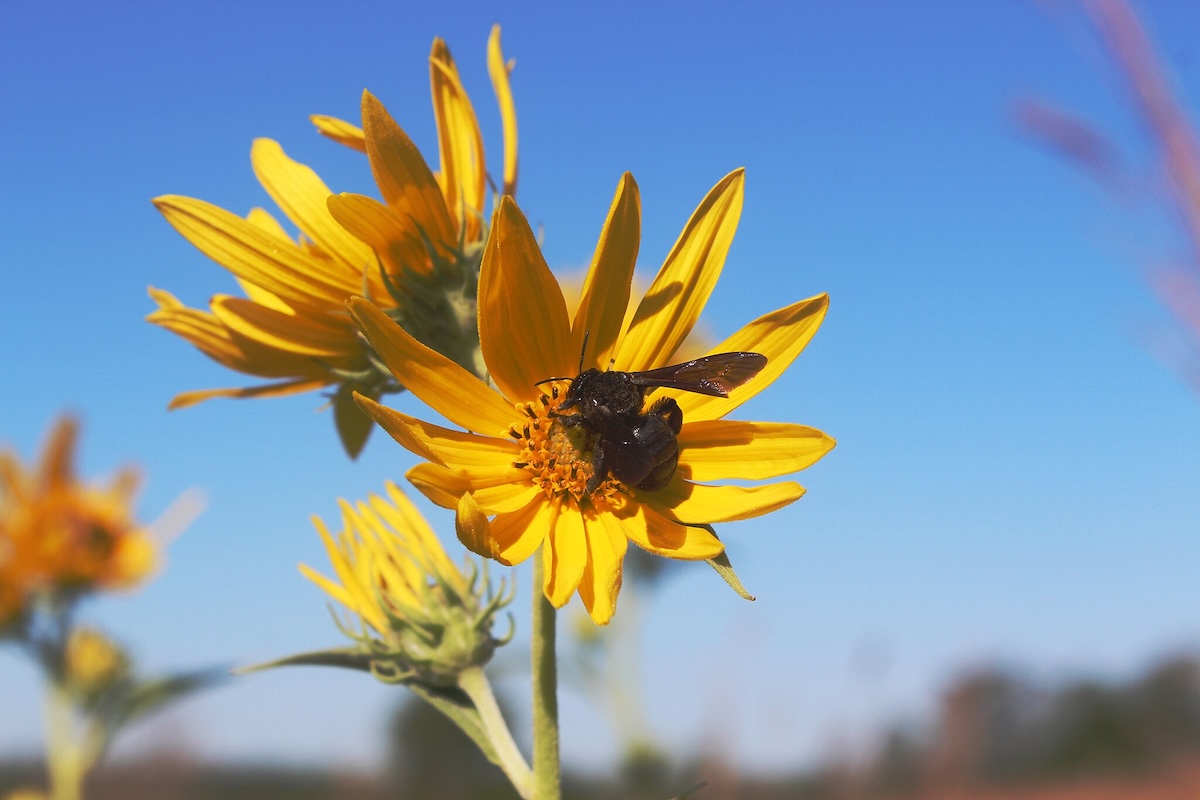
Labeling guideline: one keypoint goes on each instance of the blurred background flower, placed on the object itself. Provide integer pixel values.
(60, 536)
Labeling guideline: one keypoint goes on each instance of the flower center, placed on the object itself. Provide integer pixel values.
(558, 456)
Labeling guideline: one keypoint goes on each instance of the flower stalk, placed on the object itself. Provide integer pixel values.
(64, 761)
(547, 773)
(475, 684)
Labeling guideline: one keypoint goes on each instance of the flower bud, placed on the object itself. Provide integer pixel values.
(93, 663)
(421, 618)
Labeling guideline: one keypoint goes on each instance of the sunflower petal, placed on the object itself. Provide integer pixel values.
(264, 219)
(564, 554)
(500, 71)
(657, 534)
(402, 175)
(780, 336)
(472, 526)
(673, 303)
(517, 534)
(445, 386)
(496, 490)
(301, 194)
(199, 327)
(185, 399)
(715, 449)
(684, 501)
(308, 335)
(340, 131)
(57, 467)
(460, 144)
(332, 589)
(449, 448)
(398, 245)
(234, 350)
(524, 331)
(256, 255)
(601, 581)
(605, 294)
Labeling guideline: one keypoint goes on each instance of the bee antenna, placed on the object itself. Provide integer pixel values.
(583, 349)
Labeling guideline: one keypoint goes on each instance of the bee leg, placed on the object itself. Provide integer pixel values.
(670, 412)
(570, 420)
(599, 470)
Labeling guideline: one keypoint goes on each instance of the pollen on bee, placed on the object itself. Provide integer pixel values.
(558, 456)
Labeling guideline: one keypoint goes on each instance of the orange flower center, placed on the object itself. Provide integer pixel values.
(558, 456)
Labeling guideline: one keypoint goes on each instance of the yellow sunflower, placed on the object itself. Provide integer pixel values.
(291, 327)
(61, 534)
(520, 466)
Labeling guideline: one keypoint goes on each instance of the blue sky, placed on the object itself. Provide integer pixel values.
(1015, 476)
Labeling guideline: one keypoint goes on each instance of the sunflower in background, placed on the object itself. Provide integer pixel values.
(416, 253)
(61, 541)
(59, 536)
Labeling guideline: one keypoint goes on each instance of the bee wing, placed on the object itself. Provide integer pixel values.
(715, 375)
(628, 459)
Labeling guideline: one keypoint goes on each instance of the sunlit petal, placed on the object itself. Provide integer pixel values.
(524, 331)
(780, 336)
(684, 501)
(449, 448)
(673, 303)
(500, 72)
(340, 131)
(495, 489)
(297, 190)
(605, 296)
(715, 449)
(517, 534)
(401, 174)
(601, 580)
(564, 554)
(445, 386)
(472, 526)
(249, 252)
(460, 144)
(657, 534)
(281, 389)
(390, 237)
(313, 335)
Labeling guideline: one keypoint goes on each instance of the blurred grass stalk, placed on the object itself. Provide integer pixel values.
(1175, 280)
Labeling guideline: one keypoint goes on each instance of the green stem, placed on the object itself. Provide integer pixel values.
(475, 683)
(546, 770)
(63, 760)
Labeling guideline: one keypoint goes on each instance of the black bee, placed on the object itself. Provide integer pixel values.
(639, 448)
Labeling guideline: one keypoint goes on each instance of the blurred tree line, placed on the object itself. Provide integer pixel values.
(996, 728)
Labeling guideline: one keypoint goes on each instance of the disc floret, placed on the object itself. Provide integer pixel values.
(558, 456)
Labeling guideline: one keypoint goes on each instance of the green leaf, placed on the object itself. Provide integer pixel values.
(725, 570)
(345, 657)
(147, 696)
(353, 426)
(451, 701)
(458, 708)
